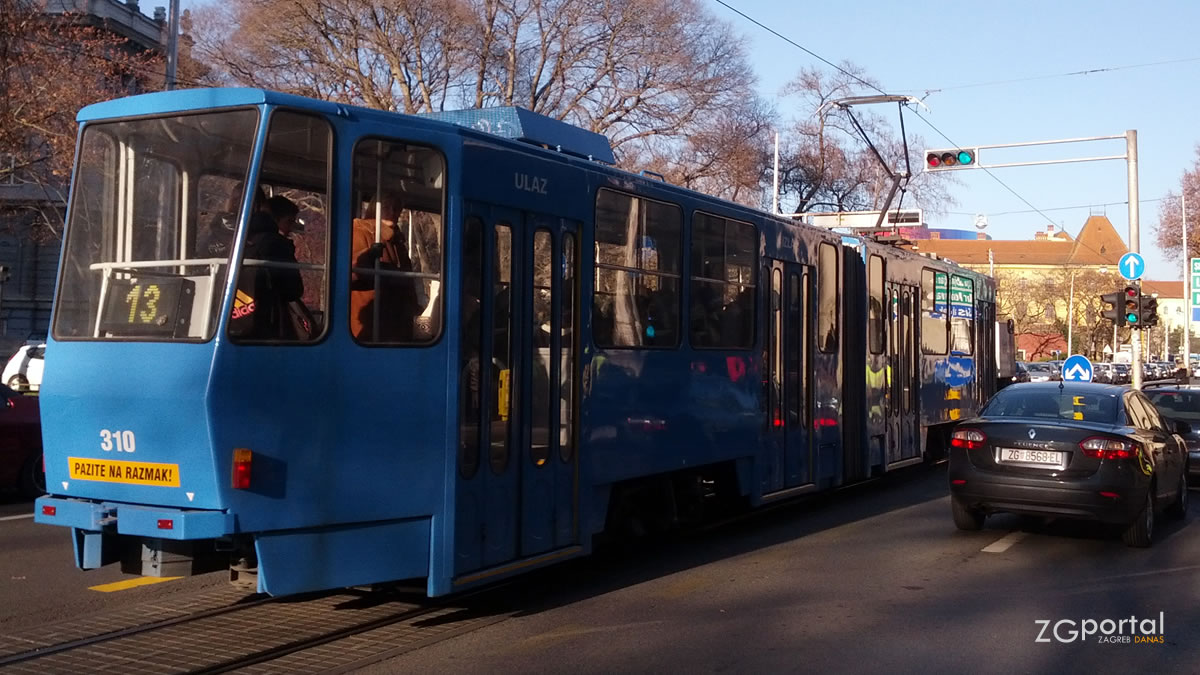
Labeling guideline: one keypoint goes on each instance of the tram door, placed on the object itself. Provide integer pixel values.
(901, 411)
(787, 341)
(516, 481)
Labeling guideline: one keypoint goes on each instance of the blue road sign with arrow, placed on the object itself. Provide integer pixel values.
(1077, 368)
(1132, 266)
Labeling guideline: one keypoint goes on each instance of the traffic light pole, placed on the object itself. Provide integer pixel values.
(970, 159)
(1135, 238)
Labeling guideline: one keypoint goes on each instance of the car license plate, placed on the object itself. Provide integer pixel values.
(1018, 456)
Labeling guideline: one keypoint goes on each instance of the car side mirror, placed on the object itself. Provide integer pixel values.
(1182, 428)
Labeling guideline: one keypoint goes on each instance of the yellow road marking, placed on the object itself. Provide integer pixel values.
(131, 583)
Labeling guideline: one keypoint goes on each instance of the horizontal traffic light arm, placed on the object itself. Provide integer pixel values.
(977, 164)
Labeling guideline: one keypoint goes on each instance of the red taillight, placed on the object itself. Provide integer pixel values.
(241, 468)
(958, 481)
(825, 422)
(1110, 495)
(971, 439)
(1108, 448)
(49, 510)
(166, 524)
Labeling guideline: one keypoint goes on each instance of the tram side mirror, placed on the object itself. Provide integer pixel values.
(1011, 326)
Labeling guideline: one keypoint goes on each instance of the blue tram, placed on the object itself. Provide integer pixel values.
(476, 346)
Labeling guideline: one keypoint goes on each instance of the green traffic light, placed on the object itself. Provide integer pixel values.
(1132, 317)
(965, 157)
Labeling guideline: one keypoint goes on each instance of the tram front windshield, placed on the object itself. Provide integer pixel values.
(155, 206)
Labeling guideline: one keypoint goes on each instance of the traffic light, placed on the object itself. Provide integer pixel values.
(953, 158)
(1116, 313)
(1133, 314)
(1148, 310)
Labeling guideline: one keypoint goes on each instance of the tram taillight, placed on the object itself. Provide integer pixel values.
(241, 468)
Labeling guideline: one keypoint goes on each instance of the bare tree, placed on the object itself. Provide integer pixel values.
(50, 67)
(662, 79)
(827, 166)
(1167, 233)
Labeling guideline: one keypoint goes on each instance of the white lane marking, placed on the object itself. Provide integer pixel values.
(23, 515)
(1004, 543)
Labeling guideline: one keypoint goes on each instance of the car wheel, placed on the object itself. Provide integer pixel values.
(1180, 507)
(1140, 533)
(966, 518)
(18, 382)
(32, 483)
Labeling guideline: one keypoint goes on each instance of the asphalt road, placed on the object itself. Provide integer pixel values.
(39, 583)
(871, 579)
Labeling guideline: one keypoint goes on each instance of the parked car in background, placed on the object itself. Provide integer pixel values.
(1181, 402)
(1102, 373)
(1076, 450)
(24, 370)
(1021, 372)
(1043, 372)
(1122, 373)
(21, 444)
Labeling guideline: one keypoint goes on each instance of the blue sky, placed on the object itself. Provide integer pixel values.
(914, 47)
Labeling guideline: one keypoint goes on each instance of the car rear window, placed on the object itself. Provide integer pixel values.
(1059, 405)
(1181, 405)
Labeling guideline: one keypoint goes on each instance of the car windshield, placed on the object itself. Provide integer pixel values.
(1060, 404)
(1181, 405)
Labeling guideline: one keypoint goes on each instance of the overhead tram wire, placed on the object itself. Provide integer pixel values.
(872, 86)
(1032, 78)
(799, 46)
(1060, 208)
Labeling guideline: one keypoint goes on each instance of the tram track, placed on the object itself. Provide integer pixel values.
(336, 630)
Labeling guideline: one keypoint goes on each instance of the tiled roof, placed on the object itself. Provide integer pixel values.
(1165, 289)
(1098, 244)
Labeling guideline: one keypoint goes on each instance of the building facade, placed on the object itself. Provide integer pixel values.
(33, 207)
(1050, 286)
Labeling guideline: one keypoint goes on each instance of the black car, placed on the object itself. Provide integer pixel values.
(1073, 450)
(1181, 402)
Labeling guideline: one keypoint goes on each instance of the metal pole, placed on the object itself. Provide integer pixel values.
(1071, 316)
(775, 188)
(1131, 161)
(1187, 288)
(172, 44)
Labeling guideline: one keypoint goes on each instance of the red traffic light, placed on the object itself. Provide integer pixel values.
(950, 158)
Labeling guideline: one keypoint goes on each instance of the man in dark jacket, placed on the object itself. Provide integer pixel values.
(269, 288)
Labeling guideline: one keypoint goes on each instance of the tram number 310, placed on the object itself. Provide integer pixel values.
(121, 441)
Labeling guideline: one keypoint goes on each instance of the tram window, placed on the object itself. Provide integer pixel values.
(875, 304)
(543, 254)
(934, 312)
(962, 313)
(134, 221)
(827, 298)
(396, 243)
(722, 290)
(566, 438)
(636, 298)
(283, 271)
(501, 369)
(472, 340)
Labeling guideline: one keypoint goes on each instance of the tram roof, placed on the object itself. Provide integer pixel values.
(184, 100)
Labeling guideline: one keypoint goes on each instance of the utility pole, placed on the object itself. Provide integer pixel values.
(172, 44)
(1135, 239)
(1187, 290)
(1071, 316)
